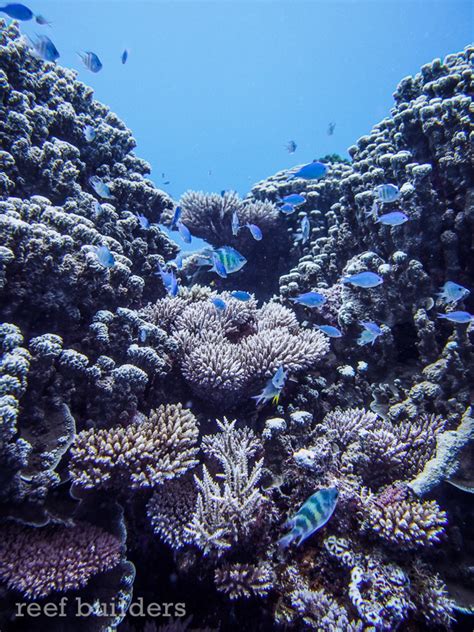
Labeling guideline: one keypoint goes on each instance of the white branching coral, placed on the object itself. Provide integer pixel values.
(230, 503)
(244, 580)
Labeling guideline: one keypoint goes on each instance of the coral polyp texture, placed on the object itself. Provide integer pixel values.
(165, 440)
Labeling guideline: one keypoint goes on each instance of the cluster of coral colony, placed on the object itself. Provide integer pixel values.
(138, 460)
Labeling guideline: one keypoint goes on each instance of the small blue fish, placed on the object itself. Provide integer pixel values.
(287, 208)
(231, 259)
(43, 48)
(124, 56)
(218, 266)
(387, 192)
(370, 334)
(312, 171)
(105, 257)
(363, 279)
(329, 330)
(331, 128)
(273, 388)
(89, 133)
(144, 221)
(176, 217)
(291, 146)
(240, 295)
(295, 199)
(100, 187)
(235, 224)
(91, 61)
(142, 335)
(184, 232)
(309, 299)
(178, 261)
(169, 280)
(40, 19)
(305, 229)
(458, 317)
(278, 380)
(219, 304)
(452, 292)
(254, 231)
(17, 11)
(311, 516)
(397, 218)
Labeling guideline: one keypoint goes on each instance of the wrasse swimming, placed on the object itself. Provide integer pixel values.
(311, 516)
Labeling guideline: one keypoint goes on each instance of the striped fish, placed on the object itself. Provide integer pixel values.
(231, 259)
(387, 192)
(311, 516)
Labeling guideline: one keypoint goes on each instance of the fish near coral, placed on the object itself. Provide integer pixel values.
(273, 388)
(329, 330)
(17, 11)
(363, 279)
(387, 193)
(305, 230)
(396, 218)
(309, 299)
(241, 295)
(43, 48)
(295, 199)
(312, 171)
(184, 232)
(100, 187)
(219, 304)
(287, 208)
(89, 133)
(254, 231)
(452, 292)
(311, 516)
(231, 259)
(169, 281)
(235, 224)
(105, 257)
(144, 221)
(91, 61)
(370, 334)
(176, 217)
(460, 318)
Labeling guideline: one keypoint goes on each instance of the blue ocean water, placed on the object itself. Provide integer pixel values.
(213, 91)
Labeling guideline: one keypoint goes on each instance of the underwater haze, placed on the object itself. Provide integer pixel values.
(213, 91)
(236, 316)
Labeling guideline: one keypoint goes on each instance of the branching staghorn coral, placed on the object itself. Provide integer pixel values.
(143, 454)
(37, 562)
(228, 505)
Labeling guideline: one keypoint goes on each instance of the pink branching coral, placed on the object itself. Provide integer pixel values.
(37, 562)
(143, 454)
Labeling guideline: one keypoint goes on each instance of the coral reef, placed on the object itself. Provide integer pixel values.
(111, 392)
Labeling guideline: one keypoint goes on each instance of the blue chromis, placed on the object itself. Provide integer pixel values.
(144, 221)
(124, 56)
(254, 231)
(287, 208)
(452, 292)
(169, 280)
(312, 171)
(43, 48)
(459, 318)
(17, 11)
(240, 295)
(219, 303)
(105, 257)
(370, 334)
(100, 187)
(91, 61)
(40, 19)
(311, 516)
(89, 133)
(184, 232)
(273, 388)
(363, 279)
(235, 225)
(396, 218)
(329, 330)
(295, 199)
(176, 216)
(291, 146)
(305, 229)
(309, 299)
(387, 193)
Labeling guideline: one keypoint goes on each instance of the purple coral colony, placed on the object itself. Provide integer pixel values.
(293, 458)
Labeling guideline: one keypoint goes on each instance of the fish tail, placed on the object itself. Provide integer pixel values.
(284, 542)
(345, 280)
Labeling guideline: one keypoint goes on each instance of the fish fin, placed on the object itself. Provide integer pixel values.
(276, 399)
(345, 280)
